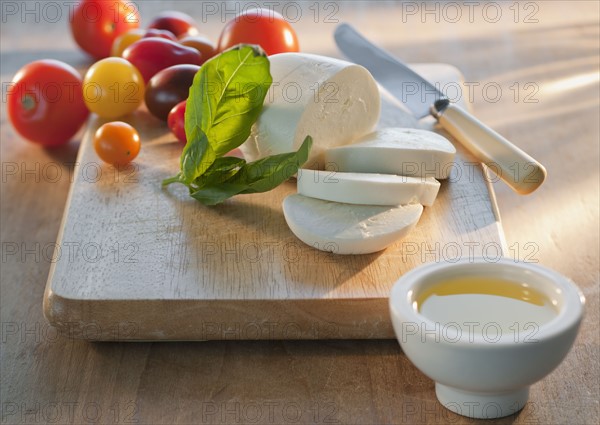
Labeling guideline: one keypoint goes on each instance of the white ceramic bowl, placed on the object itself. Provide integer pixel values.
(474, 375)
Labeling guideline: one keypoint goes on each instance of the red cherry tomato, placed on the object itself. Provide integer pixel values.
(45, 102)
(177, 22)
(235, 152)
(150, 55)
(117, 143)
(168, 35)
(176, 121)
(260, 26)
(95, 24)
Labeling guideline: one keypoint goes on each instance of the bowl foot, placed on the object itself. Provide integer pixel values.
(481, 405)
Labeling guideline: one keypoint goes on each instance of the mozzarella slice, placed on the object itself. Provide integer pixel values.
(334, 101)
(345, 228)
(367, 189)
(404, 151)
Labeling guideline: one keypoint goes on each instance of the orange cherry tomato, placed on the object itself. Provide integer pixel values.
(117, 143)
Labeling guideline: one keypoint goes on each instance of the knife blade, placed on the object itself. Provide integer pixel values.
(515, 167)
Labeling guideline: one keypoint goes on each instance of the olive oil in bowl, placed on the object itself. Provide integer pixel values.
(486, 305)
(485, 331)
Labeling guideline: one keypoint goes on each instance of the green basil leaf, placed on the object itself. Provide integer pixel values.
(268, 173)
(217, 193)
(197, 156)
(225, 163)
(227, 96)
(225, 100)
(220, 171)
(259, 176)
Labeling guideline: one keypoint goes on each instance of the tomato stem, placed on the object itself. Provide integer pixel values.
(28, 102)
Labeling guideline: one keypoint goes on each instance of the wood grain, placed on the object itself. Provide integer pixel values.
(349, 382)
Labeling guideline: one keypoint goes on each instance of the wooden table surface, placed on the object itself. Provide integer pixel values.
(534, 80)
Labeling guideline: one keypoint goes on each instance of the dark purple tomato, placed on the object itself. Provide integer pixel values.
(150, 55)
(168, 88)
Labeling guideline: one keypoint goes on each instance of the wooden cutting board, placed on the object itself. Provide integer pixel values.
(135, 261)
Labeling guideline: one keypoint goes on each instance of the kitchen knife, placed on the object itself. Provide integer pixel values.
(519, 170)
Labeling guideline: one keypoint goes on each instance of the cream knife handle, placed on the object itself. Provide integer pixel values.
(519, 170)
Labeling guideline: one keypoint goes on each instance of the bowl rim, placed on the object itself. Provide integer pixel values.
(567, 318)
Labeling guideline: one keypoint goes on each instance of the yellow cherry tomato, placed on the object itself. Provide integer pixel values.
(113, 87)
(125, 40)
(117, 143)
